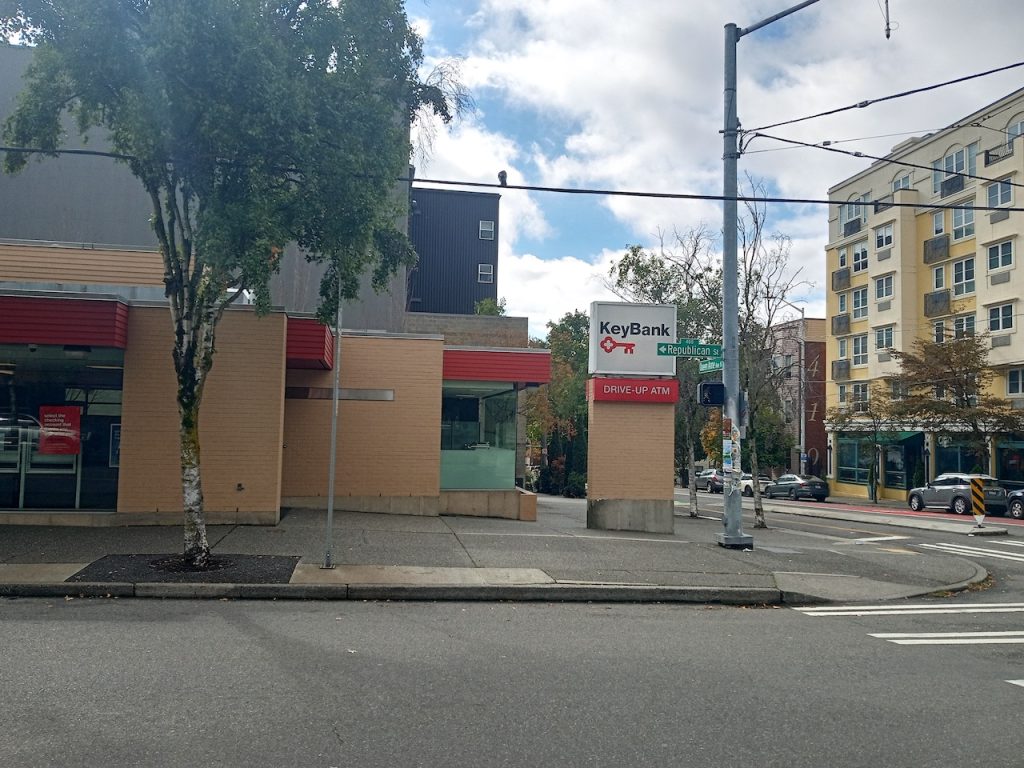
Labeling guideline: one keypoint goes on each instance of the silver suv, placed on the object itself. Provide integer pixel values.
(952, 491)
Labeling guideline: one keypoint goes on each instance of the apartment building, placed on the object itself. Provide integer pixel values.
(800, 354)
(924, 244)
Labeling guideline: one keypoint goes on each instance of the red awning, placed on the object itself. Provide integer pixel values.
(310, 344)
(78, 321)
(523, 366)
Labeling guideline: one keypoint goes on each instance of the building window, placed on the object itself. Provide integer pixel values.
(842, 258)
(939, 332)
(963, 160)
(1000, 255)
(842, 393)
(939, 278)
(844, 349)
(901, 182)
(883, 287)
(963, 277)
(861, 393)
(486, 230)
(963, 326)
(860, 349)
(853, 209)
(1000, 318)
(963, 223)
(854, 462)
(939, 390)
(485, 273)
(999, 193)
(883, 337)
(1015, 381)
(860, 256)
(883, 236)
(843, 303)
(896, 390)
(1013, 130)
(860, 303)
(938, 222)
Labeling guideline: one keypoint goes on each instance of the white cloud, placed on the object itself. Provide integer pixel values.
(634, 101)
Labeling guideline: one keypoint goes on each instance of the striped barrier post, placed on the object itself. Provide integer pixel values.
(978, 500)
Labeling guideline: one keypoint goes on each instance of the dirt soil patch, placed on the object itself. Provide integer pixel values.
(170, 568)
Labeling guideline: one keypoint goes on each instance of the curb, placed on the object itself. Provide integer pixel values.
(555, 593)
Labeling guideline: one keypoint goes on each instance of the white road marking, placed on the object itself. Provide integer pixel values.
(961, 549)
(952, 638)
(910, 610)
(1016, 682)
(871, 539)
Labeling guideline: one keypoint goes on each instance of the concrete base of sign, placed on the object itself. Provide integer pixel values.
(646, 515)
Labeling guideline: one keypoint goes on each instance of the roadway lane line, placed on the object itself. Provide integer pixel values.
(909, 610)
(962, 549)
(951, 638)
(1016, 682)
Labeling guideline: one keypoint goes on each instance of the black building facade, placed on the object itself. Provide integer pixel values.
(456, 237)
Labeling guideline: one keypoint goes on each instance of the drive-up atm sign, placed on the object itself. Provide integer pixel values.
(624, 338)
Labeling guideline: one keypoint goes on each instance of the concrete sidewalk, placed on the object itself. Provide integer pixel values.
(387, 557)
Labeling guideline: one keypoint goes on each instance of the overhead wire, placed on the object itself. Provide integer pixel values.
(900, 95)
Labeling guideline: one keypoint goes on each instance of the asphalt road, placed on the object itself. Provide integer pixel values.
(143, 683)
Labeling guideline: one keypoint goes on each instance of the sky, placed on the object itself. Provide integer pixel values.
(628, 95)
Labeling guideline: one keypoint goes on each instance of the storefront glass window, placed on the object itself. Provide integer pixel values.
(895, 466)
(60, 426)
(854, 460)
(1010, 462)
(478, 436)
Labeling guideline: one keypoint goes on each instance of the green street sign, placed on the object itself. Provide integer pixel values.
(707, 366)
(690, 349)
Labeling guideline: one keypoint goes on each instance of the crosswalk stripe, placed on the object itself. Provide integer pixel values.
(905, 635)
(909, 610)
(1011, 544)
(960, 549)
(872, 539)
(961, 641)
(1016, 682)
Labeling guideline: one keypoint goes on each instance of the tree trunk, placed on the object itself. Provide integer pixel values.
(197, 547)
(759, 521)
(692, 460)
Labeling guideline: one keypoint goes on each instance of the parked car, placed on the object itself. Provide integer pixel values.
(798, 487)
(716, 483)
(704, 479)
(951, 491)
(747, 483)
(1015, 504)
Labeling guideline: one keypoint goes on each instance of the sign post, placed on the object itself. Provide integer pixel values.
(978, 500)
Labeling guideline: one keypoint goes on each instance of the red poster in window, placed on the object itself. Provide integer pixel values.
(60, 429)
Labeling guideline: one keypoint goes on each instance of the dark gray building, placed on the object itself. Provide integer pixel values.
(455, 234)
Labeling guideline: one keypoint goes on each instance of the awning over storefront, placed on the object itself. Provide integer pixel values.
(522, 366)
(310, 344)
(67, 321)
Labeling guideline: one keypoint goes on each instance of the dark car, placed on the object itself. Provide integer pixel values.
(951, 491)
(1015, 504)
(716, 483)
(705, 480)
(798, 487)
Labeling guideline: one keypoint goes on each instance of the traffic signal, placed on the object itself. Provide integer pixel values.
(711, 393)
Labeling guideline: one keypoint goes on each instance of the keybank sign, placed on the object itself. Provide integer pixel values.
(624, 338)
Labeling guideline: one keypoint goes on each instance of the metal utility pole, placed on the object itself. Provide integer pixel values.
(332, 464)
(733, 536)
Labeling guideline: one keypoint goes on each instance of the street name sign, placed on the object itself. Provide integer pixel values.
(712, 364)
(689, 349)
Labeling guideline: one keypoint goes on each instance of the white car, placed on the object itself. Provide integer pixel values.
(747, 483)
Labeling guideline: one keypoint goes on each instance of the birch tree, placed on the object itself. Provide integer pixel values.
(250, 124)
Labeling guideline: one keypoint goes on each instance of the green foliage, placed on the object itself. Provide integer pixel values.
(489, 306)
(576, 486)
(774, 443)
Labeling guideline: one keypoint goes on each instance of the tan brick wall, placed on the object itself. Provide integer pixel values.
(630, 450)
(92, 266)
(241, 421)
(385, 448)
(471, 330)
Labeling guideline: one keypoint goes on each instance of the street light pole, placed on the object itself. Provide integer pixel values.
(733, 536)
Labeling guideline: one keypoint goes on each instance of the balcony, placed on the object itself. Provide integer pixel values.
(841, 279)
(883, 203)
(852, 227)
(936, 249)
(841, 324)
(840, 370)
(951, 186)
(997, 153)
(937, 303)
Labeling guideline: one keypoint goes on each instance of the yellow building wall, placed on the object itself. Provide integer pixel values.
(387, 450)
(241, 419)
